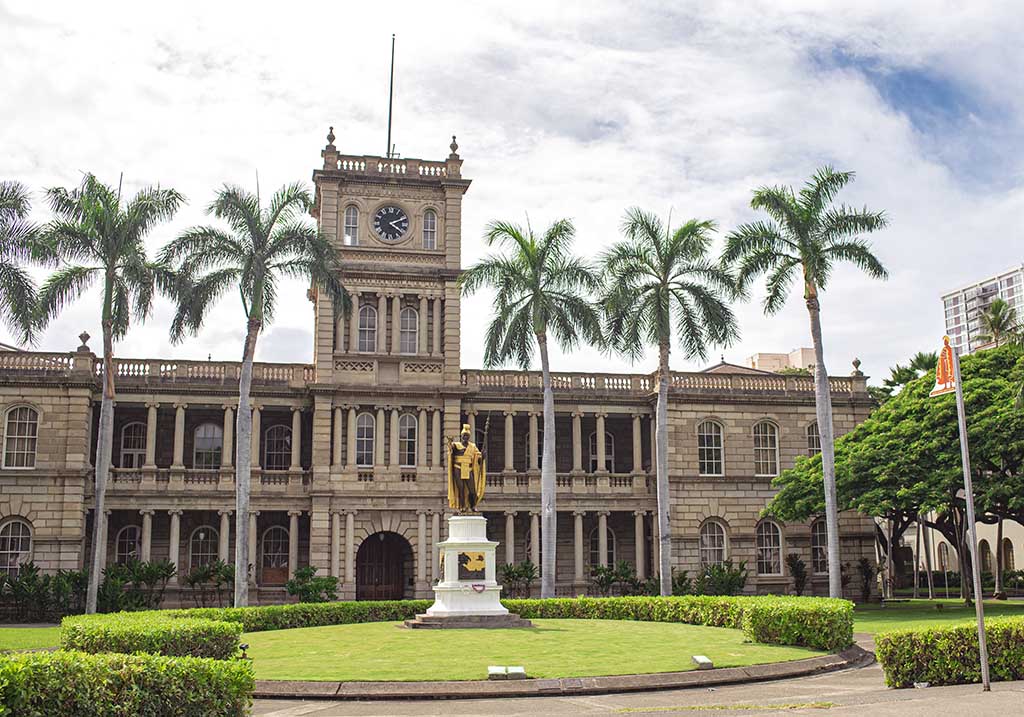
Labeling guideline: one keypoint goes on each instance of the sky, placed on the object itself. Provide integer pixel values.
(565, 109)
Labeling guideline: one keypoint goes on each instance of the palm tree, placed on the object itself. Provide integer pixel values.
(96, 237)
(999, 323)
(805, 233)
(541, 291)
(661, 285)
(258, 248)
(924, 361)
(18, 245)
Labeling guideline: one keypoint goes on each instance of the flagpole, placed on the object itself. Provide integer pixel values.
(965, 455)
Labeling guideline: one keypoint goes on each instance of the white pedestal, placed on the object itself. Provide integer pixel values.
(468, 586)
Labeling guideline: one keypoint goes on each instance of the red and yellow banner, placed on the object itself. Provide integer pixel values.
(945, 377)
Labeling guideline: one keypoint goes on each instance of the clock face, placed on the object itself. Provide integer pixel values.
(390, 223)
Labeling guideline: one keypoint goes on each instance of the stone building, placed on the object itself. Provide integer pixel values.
(350, 477)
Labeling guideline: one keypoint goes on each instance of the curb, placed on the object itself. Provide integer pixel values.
(483, 689)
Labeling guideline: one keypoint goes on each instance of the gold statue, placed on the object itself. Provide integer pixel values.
(467, 472)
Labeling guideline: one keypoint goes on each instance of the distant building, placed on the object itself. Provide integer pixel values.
(965, 305)
(797, 358)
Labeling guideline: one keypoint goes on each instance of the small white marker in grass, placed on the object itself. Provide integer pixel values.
(516, 672)
(496, 672)
(702, 662)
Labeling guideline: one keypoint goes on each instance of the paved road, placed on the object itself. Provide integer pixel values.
(851, 692)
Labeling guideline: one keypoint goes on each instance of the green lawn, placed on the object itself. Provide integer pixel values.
(923, 613)
(27, 638)
(554, 648)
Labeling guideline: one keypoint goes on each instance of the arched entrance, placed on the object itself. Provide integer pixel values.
(383, 566)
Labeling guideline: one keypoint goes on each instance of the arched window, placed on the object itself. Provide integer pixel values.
(609, 452)
(351, 225)
(274, 559)
(1008, 561)
(595, 546)
(366, 427)
(769, 548)
(813, 439)
(409, 332)
(709, 449)
(127, 544)
(712, 543)
(819, 547)
(766, 449)
(985, 556)
(202, 547)
(15, 546)
(20, 432)
(277, 448)
(943, 557)
(367, 328)
(429, 229)
(133, 445)
(407, 440)
(209, 444)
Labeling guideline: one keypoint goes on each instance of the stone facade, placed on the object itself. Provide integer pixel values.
(350, 477)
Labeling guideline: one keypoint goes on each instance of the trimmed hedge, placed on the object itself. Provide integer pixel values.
(151, 632)
(949, 655)
(75, 684)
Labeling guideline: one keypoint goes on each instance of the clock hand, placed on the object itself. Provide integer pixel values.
(392, 223)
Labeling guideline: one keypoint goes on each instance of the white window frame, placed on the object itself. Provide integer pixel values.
(769, 546)
(366, 437)
(137, 455)
(609, 451)
(430, 229)
(29, 446)
(409, 331)
(594, 546)
(219, 434)
(282, 456)
(720, 545)
(350, 226)
(813, 439)
(703, 450)
(367, 329)
(766, 455)
(210, 536)
(13, 552)
(124, 558)
(819, 547)
(279, 554)
(407, 424)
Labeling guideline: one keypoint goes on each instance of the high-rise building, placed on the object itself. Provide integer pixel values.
(797, 358)
(965, 305)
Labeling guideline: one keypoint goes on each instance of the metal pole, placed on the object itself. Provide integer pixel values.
(979, 606)
(391, 95)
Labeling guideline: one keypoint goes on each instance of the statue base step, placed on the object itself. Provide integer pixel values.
(468, 622)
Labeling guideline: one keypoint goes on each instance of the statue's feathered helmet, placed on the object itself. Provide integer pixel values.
(466, 429)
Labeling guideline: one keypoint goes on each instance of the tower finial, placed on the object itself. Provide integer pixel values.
(330, 137)
(454, 146)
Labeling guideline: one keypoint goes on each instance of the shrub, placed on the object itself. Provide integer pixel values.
(867, 572)
(949, 655)
(721, 579)
(210, 583)
(604, 578)
(807, 622)
(798, 569)
(517, 578)
(682, 584)
(310, 588)
(152, 632)
(74, 684)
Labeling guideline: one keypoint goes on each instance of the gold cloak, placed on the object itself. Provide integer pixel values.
(477, 466)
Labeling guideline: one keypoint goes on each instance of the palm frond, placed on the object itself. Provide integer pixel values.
(61, 288)
(857, 252)
(823, 188)
(18, 301)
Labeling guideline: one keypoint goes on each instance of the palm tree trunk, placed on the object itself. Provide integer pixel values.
(243, 466)
(548, 512)
(661, 446)
(104, 452)
(1000, 593)
(917, 558)
(823, 403)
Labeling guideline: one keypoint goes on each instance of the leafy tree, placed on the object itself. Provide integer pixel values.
(258, 248)
(541, 292)
(999, 323)
(18, 246)
(798, 569)
(659, 285)
(97, 237)
(309, 587)
(803, 239)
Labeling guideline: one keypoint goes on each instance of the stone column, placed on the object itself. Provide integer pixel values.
(174, 543)
(577, 442)
(578, 544)
(435, 553)
(224, 536)
(146, 547)
(510, 537)
(435, 439)
(421, 439)
(602, 538)
(422, 330)
(535, 537)
(336, 544)
(293, 541)
(396, 323)
(353, 326)
(257, 433)
(602, 463)
(378, 439)
(437, 326)
(638, 445)
(509, 442)
(534, 457)
(151, 409)
(393, 452)
(227, 447)
(296, 464)
(339, 333)
(421, 545)
(656, 552)
(179, 437)
(382, 323)
(350, 547)
(253, 542)
(638, 532)
(654, 447)
(471, 420)
(350, 458)
(336, 437)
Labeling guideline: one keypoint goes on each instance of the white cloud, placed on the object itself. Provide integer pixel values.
(562, 109)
